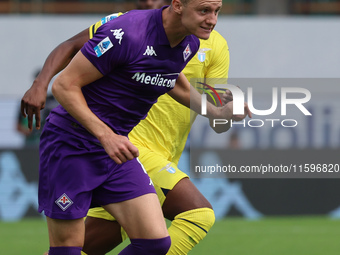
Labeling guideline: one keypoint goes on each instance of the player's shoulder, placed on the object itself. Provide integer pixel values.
(217, 38)
(109, 17)
(134, 24)
(124, 30)
(94, 27)
(136, 20)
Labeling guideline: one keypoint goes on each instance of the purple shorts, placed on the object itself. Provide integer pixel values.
(76, 174)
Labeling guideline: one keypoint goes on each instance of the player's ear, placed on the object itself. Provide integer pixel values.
(178, 6)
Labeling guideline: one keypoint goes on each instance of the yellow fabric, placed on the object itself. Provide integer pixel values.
(99, 212)
(164, 174)
(94, 27)
(188, 229)
(167, 125)
(166, 128)
(161, 138)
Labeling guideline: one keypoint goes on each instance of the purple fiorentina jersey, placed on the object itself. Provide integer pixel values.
(138, 64)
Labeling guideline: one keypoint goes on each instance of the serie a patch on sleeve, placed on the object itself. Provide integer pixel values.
(103, 46)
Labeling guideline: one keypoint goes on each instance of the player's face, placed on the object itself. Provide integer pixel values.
(149, 4)
(200, 16)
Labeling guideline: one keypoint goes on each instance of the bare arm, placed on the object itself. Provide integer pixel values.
(227, 98)
(187, 95)
(35, 98)
(67, 90)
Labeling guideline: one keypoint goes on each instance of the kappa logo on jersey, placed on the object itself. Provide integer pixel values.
(103, 46)
(118, 34)
(187, 52)
(201, 54)
(149, 51)
(64, 202)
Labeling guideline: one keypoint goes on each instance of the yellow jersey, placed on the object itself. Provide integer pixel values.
(167, 126)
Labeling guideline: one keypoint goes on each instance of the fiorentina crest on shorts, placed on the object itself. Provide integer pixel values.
(64, 202)
(186, 52)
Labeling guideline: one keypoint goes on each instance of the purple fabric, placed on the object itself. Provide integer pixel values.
(147, 247)
(64, 251)
(134, 54)
(74, 172)
(139, 65)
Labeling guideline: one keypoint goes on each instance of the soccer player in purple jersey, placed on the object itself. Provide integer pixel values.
(106, 89)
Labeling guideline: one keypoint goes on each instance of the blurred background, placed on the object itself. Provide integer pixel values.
(230, 7)
(280, 40)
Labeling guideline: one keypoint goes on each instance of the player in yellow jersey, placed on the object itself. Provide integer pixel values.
(160, 139)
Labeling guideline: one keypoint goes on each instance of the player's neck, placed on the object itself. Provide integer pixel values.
(173, 27)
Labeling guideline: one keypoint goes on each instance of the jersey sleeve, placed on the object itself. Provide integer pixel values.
(219, 66)
(93, 28)
(110, 47)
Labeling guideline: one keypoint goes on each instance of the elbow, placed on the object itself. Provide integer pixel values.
(54, 89)
(57, 88)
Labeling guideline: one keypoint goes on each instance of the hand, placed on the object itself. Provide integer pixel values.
(224, 112)
(247, 112)
(32, 102)
(226, 97)
(119, 148)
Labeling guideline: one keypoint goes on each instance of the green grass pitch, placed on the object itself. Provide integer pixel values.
(232, 236)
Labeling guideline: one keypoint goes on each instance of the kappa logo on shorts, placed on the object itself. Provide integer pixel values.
(64, 202)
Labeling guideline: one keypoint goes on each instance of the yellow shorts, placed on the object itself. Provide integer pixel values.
(163, 173)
